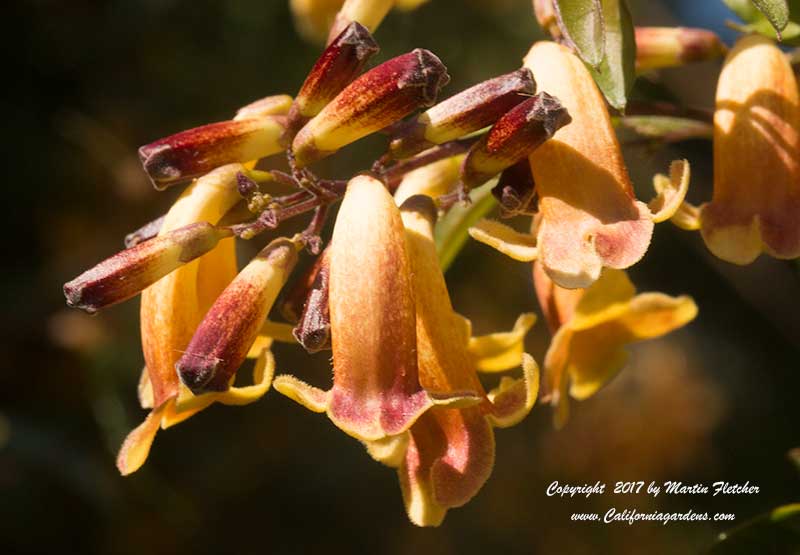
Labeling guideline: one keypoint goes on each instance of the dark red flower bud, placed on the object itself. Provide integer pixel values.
(464, 113)
(127, 273)
(223, 338)
(513, 137)
(197, 151)
(340, 63)
(378, 98)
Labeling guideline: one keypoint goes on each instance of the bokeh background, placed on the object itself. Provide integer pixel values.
(88, 82)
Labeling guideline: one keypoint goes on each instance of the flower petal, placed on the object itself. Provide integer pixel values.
(313, 398)
(450, 456)
(136, 446)
(513, 399)
(512, 243)
(390, 450)
(671, 192)
(501, 351)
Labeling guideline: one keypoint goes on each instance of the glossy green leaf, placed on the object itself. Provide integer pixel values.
(756, 22)
(617, 71)
(452, 230)
(776, 12)
(775, 532)
(581, 23)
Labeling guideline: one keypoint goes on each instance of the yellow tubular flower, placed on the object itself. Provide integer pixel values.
(368, 13)
(756, 203)
(448, 453)
(433, 180)
(376, 389)
(592, 327)
(313, 18)
(589, 216)
(171, 310)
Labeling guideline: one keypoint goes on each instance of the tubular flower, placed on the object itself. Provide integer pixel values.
(591, 328)
(589, 217)
(368, 13)
(755, 207)
(171, 310)
(376, 390)
(448, 453)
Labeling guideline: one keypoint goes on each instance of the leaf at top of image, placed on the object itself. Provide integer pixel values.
(581, 23)
(616, 72)
(771, 18)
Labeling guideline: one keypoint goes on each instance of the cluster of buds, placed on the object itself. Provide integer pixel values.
(405, 366)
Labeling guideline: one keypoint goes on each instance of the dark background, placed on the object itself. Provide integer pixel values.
(86, 83)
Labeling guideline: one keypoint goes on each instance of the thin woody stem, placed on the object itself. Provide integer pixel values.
(655, 108)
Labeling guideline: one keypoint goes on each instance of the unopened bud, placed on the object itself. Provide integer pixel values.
(313, 331)
(127, 273)
(515, 190)
(464, 113)
(378, 98)
(658, 47)
(197, 151)
(369, 13)
(275, 105)
(223, 338)
(340, 63)
(294, 300)
(513, 137)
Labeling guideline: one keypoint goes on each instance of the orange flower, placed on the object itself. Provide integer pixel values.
(171, 310)
(756, 203)
(591, 328)
(589, 216)
(448, 453)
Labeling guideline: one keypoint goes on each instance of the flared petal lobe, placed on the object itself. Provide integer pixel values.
(756, 203)
(592, 328)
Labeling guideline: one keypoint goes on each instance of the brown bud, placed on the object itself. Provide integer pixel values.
(464, 113)
(378, 98)
(339, 64)
(295, 297)
(515, 190)
(197, 151)
(223, 338)
(313, 331)
(513, 137)
(127, 273)
(658, 47)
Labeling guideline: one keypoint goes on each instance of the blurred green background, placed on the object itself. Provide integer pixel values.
(88, 82)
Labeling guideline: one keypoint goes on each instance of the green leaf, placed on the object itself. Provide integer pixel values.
(775, 532)
(581, 23)
(452, 230)
(776, 12)
(756, 22)
(616, 73)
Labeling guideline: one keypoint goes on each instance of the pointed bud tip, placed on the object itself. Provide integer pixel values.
(197, 371)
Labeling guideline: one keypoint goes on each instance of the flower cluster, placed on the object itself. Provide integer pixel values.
(406, 368)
